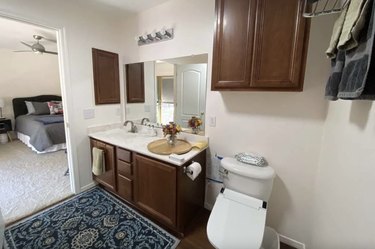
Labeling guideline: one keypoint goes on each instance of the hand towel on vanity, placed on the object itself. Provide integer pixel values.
(98, 161)
(353, 75)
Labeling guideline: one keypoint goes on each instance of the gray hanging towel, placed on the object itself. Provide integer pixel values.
(351, 77)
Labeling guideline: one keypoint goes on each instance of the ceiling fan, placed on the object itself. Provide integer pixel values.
(37, 47)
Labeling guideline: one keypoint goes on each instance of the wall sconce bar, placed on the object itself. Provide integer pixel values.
(159, 36)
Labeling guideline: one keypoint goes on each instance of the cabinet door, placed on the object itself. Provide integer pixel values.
(233, 44)
(280, 45)
(155, 189)
(106, 77)
(135, 91)
(108, 179)
(259, 45)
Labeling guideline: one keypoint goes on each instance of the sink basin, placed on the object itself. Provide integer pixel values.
(161, 147)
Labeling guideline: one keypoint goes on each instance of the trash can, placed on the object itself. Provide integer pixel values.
(271, 239)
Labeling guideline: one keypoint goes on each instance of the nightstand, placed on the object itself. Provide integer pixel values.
(5, 128)
(5, 125)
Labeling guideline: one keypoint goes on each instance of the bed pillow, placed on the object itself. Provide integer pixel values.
(30, 107)
(41, 108)
(55, 107)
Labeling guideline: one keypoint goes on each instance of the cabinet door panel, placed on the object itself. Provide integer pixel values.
(106, 77)
(125, 187)
(233, 43)
(155, 189)
(124, 155)
(279, 44)
(135, 91)
(108, 179)
(124, 168)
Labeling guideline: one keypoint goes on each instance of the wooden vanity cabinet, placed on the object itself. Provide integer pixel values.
(108, 179)
(160, 190)
(259, 45)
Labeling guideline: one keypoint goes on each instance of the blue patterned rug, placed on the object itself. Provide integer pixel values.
(93, 219)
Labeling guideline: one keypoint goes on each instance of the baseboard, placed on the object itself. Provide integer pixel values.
(291, 242)
(88, 186)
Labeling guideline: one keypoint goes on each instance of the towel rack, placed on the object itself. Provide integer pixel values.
(315, 8)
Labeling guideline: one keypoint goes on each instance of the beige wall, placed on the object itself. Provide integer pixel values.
(344, 203)
(26, 75)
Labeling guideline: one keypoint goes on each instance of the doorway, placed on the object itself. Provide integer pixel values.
(36, 173)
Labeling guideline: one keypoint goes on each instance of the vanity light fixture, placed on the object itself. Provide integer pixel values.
(156, 36)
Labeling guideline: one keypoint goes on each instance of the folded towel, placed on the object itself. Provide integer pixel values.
(177, 158)
(98, 161)
(200, 145)
(355, 20)
(337, 29)
(353, 72)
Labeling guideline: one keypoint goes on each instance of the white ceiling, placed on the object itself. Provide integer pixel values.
(131, 5)
(12, 32)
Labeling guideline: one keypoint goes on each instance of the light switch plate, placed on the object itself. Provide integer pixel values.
(212, 121)
(89, 113)
(147, 108)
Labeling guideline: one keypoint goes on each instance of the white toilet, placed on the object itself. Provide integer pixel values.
(238, 218)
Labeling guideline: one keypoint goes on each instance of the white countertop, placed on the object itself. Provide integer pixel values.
(138, 142)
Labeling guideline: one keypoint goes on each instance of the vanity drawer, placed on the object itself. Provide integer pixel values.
(125, 187)
(124, 155)
(124, 168)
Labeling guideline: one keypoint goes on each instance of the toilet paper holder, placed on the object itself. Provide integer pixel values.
(188, 171)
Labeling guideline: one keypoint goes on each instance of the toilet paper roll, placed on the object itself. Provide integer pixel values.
(193, 170)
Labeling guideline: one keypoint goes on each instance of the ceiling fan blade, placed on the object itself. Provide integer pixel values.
(24, 43)
(20, 51)
(50, 40)
(49, 52)
(39, 37)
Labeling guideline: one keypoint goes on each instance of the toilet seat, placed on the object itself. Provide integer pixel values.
(237, 221)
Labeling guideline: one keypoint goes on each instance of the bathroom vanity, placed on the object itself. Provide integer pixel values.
(153, 184)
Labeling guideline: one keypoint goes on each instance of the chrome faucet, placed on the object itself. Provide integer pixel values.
(143, 121)
(133, 128)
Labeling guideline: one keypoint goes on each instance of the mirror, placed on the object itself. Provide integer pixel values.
(175, 90)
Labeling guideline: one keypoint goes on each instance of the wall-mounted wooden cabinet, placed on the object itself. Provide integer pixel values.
(106, 77)
(135, 84)
(259, 45)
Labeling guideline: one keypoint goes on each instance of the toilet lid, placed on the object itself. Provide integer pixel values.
(236, 221)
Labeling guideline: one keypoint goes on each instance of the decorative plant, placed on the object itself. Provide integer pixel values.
(194, 122)
(171, 129)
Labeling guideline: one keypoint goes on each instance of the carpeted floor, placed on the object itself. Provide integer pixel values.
(93, 219)
(30, 182)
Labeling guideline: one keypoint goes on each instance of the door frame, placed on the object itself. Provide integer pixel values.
(65, 86)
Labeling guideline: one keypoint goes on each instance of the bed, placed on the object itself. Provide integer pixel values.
(42, 133)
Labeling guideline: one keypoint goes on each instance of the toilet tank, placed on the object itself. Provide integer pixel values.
(248, 179)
